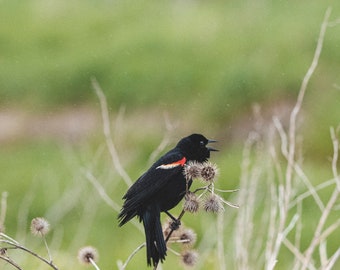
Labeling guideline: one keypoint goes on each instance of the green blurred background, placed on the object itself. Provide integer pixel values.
(185, 66)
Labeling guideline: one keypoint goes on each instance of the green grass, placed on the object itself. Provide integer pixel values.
(209, 54)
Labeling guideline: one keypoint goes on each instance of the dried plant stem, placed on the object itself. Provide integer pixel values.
(8, 238)
(308, 193)
(178, 240)
(220, 241)
(297, 107)
(47, 248)
(332, 260)
(172, 230)
(15, 245)
(296, 166)
(294, 250)
(107, 133)
(323, 254)
(335, 158)
(3, 209)
(94, 264)
(288, 149)
(248, 193)
(174, 251)
(106, 198)
(122, 267)
(10, 261)
(165, 141)
(318, 235)
(101, 191)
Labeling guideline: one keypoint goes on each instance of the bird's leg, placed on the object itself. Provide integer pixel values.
(175, 222)
(170, 216)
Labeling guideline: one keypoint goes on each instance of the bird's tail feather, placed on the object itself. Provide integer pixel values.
(155, 243)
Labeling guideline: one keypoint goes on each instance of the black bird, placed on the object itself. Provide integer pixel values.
(160, 189)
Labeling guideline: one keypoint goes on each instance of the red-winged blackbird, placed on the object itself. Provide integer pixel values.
(160, 189)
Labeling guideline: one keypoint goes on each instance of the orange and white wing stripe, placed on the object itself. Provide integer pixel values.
(173, 164)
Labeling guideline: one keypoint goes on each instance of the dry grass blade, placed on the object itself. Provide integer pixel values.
(107, 133)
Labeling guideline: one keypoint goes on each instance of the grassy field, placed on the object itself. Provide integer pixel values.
(168, 68)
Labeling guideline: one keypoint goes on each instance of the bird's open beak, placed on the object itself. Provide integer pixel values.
(210, 148)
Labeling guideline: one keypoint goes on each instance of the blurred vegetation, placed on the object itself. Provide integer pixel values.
(210, 60)
(215, 55)
(204, 62)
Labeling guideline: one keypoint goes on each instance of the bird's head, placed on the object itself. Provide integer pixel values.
(195, 147)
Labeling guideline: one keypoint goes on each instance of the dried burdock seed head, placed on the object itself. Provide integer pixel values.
(188, 236)
(213, 203)
(209, 171)
(166, 228)
(3, 251)
(192, 170)
(191, 203)
(86, 254)
(40, 226)
(189, 257)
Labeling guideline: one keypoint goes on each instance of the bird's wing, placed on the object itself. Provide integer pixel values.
(154, 179)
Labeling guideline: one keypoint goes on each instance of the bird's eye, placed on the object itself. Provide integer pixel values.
(202, 144)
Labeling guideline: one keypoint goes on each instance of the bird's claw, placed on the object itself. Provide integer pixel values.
(175, 224)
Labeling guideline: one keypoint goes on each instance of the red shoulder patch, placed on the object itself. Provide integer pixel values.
(180, 162)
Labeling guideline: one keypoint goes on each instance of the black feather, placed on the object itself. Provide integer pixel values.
(160, 189)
